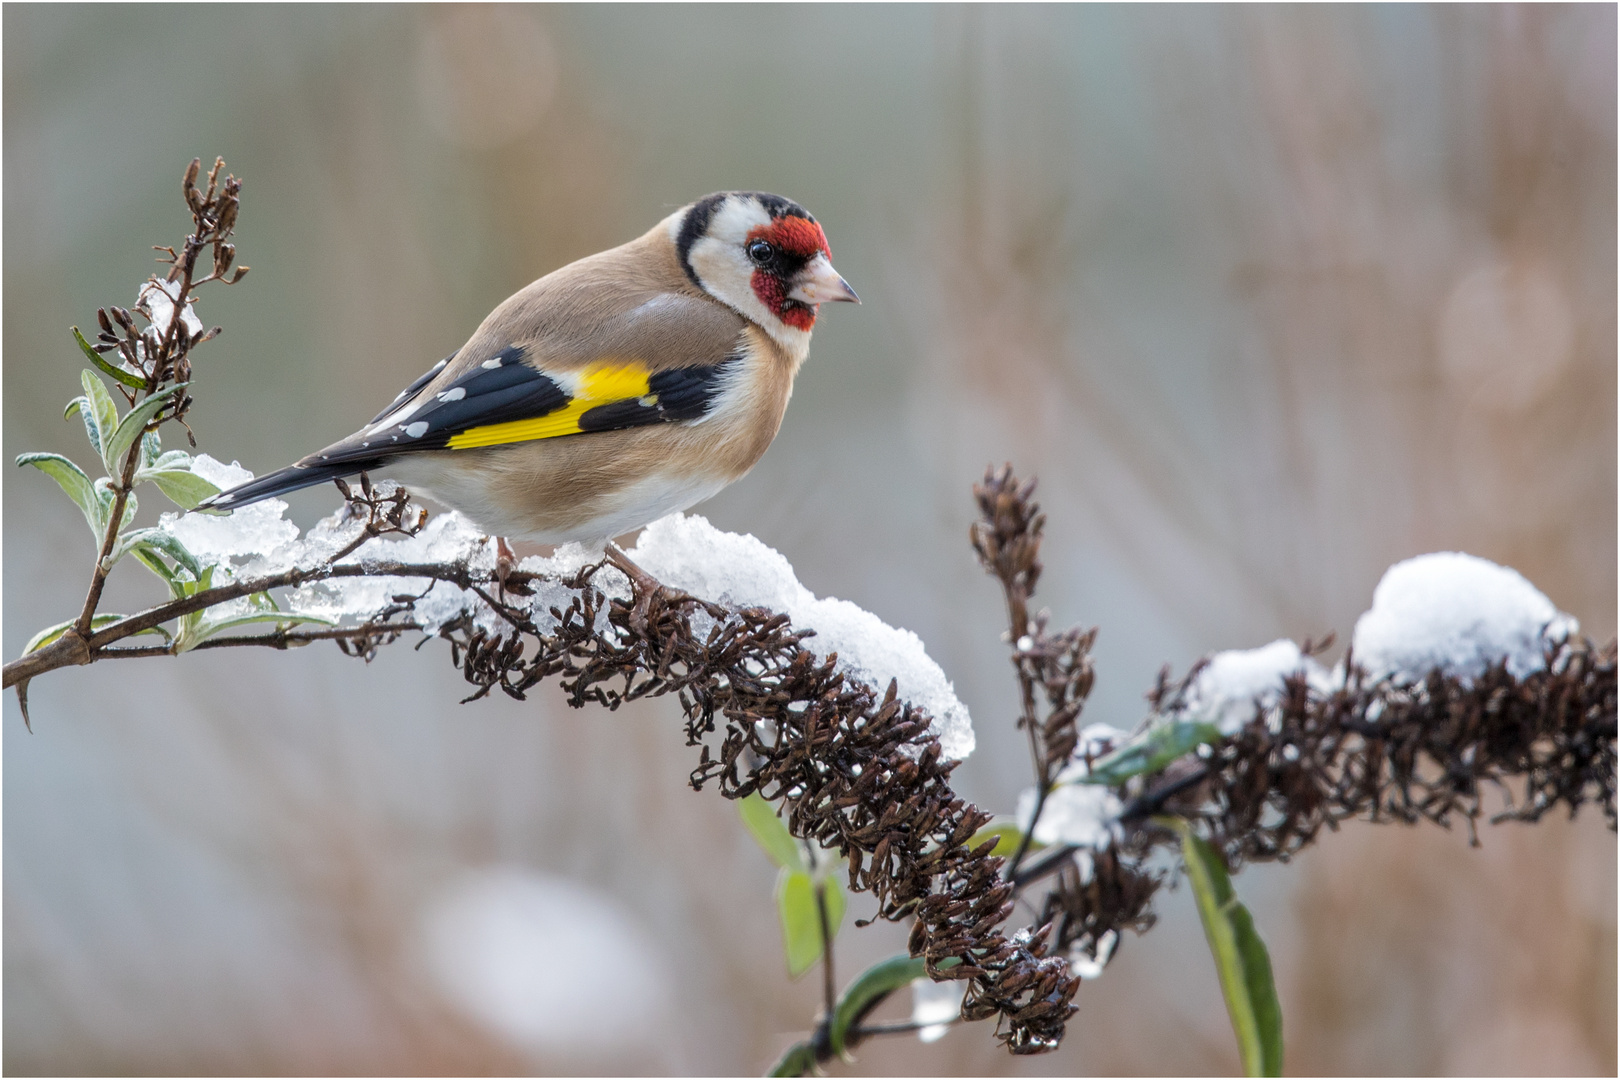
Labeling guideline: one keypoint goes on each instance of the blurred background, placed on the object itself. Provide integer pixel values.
(1268, 298)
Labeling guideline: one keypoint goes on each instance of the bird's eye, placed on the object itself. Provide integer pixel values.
(761, 252)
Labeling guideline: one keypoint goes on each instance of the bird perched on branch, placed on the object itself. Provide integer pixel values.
(620, 388)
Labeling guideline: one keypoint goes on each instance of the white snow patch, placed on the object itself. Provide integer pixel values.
(1088, 965)
(687, 553)
(157, 300)
(1458, 613)
(1236, 683)
(936, 1004)
(1085, 815)
(253, 531)
(447, 538)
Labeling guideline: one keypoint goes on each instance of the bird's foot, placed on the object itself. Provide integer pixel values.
(643, 585)
(505, 560)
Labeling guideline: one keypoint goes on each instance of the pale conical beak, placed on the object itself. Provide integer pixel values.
(819, 283)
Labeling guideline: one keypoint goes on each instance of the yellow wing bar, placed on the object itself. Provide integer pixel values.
(600, 384)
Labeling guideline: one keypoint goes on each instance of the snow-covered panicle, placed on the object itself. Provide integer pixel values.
(1458, 613)
(935, 1005)
(687, 553)
(1077, 813)
(1238, 682)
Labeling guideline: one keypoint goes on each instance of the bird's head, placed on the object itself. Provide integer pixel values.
(762, 255)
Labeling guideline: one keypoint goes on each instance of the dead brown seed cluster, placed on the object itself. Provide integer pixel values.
(855, 769)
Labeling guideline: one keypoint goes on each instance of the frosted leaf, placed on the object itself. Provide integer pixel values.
(1237, 683)
(157, 301)
(687, 553)
(935, 1004)
(1458, 613)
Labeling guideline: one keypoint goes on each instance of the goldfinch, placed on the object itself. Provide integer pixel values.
(620, 388)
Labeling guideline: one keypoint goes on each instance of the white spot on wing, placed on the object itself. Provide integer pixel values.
(455, 393)
(492, 364)
(416, 430)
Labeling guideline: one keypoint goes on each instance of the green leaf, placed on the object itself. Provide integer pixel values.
(797, 1060)
(771, 832)
(206, 628)
(134, 422)
(99, 413)
(870, 987)
(801, 920)
(1241, 959)
(837, 903)
(1007, 835)
(1155, 748)
(105, 497)
(123, 375)
(99, 622)
(72, 479)
(183, 487)
(157, 541)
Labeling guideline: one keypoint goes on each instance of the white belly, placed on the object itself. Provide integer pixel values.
(633, 506)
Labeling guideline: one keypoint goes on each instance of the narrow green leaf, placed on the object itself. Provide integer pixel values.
(99, 622)
(771, 832)
(128, 378)
(801, 921)
(837, 903)
(156, 565)
(183, 487)
(158, 542)
(130, 428)
(99, 412)
(1241, 959)
(797, 1060)
(72, 479)
(1150, 751)
(868, 989)
(1007, 835)
(207, 628)
(170, 459)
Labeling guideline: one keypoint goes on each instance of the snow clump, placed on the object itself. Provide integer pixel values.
(1458, 613)
(1075, 812)
(687, 553)
(1237, 683)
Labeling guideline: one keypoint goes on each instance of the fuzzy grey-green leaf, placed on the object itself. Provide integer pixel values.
(99, 412)
(134, 422)
(72, 479)
(183, 487)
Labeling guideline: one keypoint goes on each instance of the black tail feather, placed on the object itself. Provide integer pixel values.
(282, 481)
